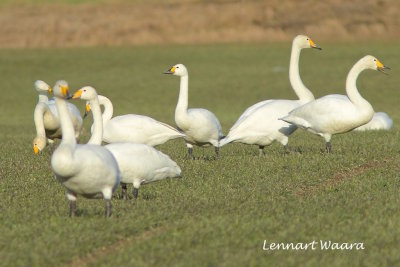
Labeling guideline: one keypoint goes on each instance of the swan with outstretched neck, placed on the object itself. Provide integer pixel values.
(201, 126)
(87, 170)
(139, 163)
(47, 122)
(334, 114)
(133, 128)
(259, 124)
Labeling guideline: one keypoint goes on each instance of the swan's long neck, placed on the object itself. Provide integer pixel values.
(351, 86)
(181, 107)
(97, 133)
(299, 88)
(108, 108)
(43, 98)
(67, 128)
(38, 118)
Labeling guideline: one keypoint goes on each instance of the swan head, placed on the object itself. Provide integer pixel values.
(178, 70)
(88, 108)
(61, 89)
(38, 144)
(371, 62)
(85, 93)
(303, 41)
(42, 87)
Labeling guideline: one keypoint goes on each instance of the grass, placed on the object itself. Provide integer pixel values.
(221, 212)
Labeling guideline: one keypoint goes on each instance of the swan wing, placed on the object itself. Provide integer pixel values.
(138, 129)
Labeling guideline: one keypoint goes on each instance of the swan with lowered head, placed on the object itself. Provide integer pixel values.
(334, 114)
(47, 122)
(139, 163)
(200, 126)
(380, 121)
(133, 128)
(260, 124)
(87, 170)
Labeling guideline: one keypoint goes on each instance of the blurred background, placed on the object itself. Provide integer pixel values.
(81, 23)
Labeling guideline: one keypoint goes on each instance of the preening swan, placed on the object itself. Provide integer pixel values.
(334, 114)
(138, 163)
(380, 121)
(46, 118)
(201, 126)
(133, 128)
(260, 124)
(87, 170)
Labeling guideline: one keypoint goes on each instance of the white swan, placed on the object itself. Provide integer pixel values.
(201, 126)
(380, 121)
(334, 114)
(138, 163)
(260, 124)
(46, 118)
(133, 128)
(87, 170)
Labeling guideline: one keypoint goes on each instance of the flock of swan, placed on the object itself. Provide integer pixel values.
(95, 171)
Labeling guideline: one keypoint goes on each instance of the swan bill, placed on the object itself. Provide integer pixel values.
(170, 71)
(380, 67)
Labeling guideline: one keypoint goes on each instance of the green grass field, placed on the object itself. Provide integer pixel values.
(222, 210)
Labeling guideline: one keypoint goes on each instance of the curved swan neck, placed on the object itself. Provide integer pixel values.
(108, 108)
(43, 98)
(97, 134)
(38, 118)
(299, 88)
(351, 85)
(67, 128)
(182, 105)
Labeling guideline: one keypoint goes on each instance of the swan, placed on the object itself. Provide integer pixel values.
(46, 118)
(201, 126)
(139, 163)
(380, 121)
(133, 128)
(334, 114)
(87, 170)
(260, 124)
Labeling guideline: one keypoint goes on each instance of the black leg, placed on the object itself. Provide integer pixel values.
(72, 208)
(217, 151)
(261, 149)
(190, 151)
(328, 147)
(135, 192)
(124, 188)
(108, 207)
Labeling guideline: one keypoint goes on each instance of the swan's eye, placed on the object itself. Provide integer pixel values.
(374, 59)
(308, 39)
(177, 67)
(84, 90)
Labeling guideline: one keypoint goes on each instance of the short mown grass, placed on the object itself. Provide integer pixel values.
(221, 211)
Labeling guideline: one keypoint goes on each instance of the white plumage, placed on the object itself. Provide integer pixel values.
(260, 124)
(134, 128)
(334, 114)
(201, 127)
(380, 121)
(138, 163)
(47, 122)
(87, 170)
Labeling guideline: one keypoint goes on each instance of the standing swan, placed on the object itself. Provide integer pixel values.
(133, 128)
(46, 118)
(380, 121)
(201, 126)
(87, 170)
(260, 124)
(138, 163)
(334, 114)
